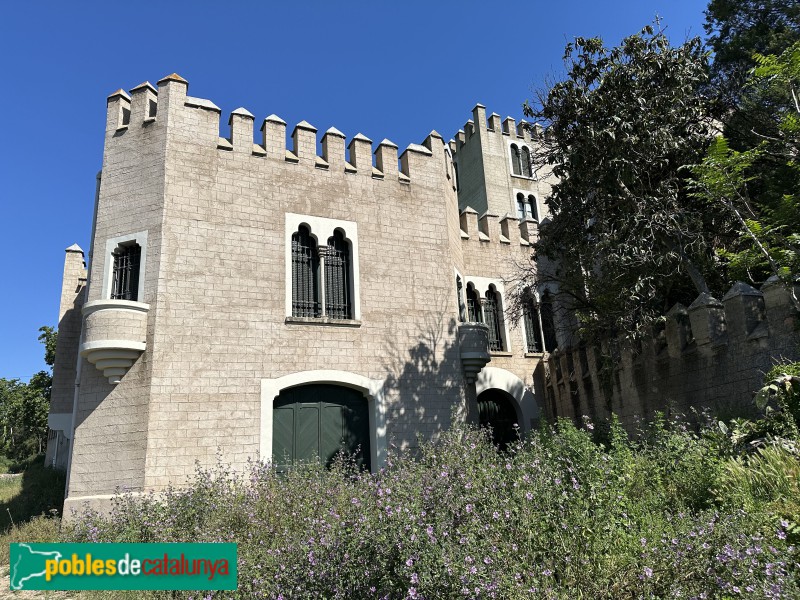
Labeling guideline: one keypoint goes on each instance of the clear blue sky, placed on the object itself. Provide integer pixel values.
(389, 70)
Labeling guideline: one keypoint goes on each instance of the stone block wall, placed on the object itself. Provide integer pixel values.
(711, 356)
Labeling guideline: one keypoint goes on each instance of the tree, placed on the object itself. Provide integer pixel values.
(744, 182)
(626, 240)
(48, 337)
(740, 29)
(24, 407)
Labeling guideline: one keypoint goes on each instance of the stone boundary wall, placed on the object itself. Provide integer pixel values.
(712, 355)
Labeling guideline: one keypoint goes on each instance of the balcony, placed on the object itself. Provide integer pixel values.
(473, 340)
(114, 334)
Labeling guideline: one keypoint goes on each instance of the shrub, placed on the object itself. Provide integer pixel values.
(554, 516)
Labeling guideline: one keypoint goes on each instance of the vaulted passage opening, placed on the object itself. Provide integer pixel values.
(316, 422)
(496, 410)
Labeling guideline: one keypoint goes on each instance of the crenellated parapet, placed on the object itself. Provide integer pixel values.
(480, 124)
(712, 354)
(491, 228)
(169, 102)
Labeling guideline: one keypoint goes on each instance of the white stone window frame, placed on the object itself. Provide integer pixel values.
(374, 390)
(481, 286)
(140, 238)
(321, 229)
(519, 143)
(527, 193)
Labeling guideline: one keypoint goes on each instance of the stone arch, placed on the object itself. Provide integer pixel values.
(373, 390)
(524, 398)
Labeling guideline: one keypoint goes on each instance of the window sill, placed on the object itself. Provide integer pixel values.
(322, 321)
(525, 177)
(495, 353)
(534, 354)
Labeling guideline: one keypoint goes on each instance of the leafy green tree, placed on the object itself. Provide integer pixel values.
(24, 407)
(738, 30)
(626, 239)
(744, 183)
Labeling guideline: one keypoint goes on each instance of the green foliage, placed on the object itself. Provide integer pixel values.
(24, 408)
(48, 337)
(739, 29)
(626, 239)
(555, 516)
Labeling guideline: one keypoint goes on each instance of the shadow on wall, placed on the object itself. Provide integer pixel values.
(425, 382)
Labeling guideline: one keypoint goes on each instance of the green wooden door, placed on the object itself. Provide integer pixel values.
(317, 421)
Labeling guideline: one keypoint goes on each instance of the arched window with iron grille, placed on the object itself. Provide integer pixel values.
(516, 164)
(493, 313)
(305, 274)
(338, 304)
(474, 313)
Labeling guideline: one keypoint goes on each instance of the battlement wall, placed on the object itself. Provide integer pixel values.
(710, 355)
(481, 126)
(169, 103)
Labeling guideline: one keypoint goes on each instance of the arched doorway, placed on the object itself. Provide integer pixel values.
(318, 421)
(496, 410)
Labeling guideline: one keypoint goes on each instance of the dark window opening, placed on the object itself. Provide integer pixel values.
(516, 161)
(126, 272)
(305, 274)
(526, 162)
(492, 311)
(338, 303)
(548, 322)
(151, 109)
(533, 331)
(473, 305)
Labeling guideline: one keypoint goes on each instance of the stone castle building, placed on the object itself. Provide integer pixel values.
(265, 302)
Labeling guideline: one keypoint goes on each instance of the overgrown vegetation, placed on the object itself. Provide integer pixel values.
(671, 512)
